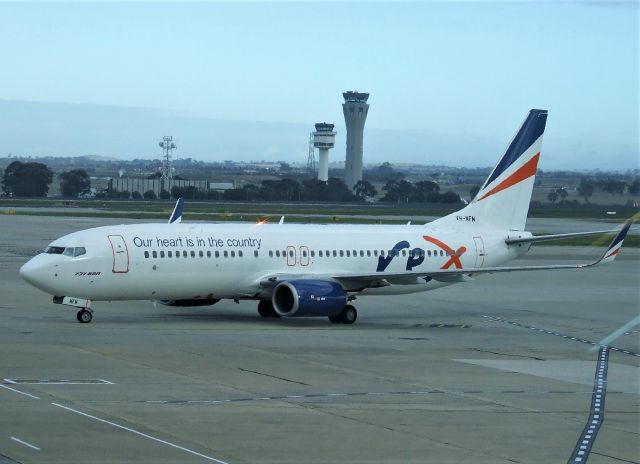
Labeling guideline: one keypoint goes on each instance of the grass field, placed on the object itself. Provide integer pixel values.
(231, 210)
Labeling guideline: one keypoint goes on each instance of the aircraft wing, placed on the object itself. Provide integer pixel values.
(459, 275)
(544, 238)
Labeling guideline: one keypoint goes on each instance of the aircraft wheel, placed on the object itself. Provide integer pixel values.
(84, 316)
(349, 315)
(265, 309)
(336, 319)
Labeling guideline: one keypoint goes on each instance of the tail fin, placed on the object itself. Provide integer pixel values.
(176, 215)
(503, 200)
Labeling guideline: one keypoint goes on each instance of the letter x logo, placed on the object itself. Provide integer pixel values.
(454, 255)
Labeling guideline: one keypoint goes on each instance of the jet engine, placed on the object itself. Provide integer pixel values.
(306, 297)
(185, 303)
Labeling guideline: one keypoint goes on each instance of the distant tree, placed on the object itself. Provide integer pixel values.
(164, 195)
(252, 192)
(398, 191)
(74, 182)
(234, 194)
(188, 192)
(149, 195)
(473, 191)
(124, 194)
(562, 193)
(634, 187)
(612, 186)
(364, 190)
(136, 195)
(425, 191)
(27, 179)
(449, 197)
(552, 196)
(155, 175)
(586, 188)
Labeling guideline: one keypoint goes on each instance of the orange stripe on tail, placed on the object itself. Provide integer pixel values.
(527, 170)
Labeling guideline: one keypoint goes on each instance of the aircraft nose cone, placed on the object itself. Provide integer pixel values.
(33, 272)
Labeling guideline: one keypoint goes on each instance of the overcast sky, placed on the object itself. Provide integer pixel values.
(456, 68)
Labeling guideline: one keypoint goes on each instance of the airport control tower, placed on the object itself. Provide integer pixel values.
(324, 138)
(355, 109)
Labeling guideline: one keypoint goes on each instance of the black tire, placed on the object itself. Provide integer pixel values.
(265, 309)
(336, 319)
(349, 315)
(84, 316)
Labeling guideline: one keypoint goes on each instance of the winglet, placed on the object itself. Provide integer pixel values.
(616, 244)
(176, 216)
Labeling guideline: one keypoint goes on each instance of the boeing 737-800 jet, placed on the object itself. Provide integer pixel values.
(304, 270)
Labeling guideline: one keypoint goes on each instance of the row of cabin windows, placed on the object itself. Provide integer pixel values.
(193, 254)
(305, 253)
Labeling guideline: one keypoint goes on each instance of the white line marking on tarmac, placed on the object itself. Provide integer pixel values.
(617, 333)
(128, 429)
(22, 442)
(22, 393)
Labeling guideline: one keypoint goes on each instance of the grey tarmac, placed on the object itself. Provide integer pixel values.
(492, 371)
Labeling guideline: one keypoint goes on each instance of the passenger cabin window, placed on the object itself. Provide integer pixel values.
(226, 254)
(169, 254)
(154, 254)
(184, 253)
(320, 253)
(208, 253)
(193, 254)
(146, 254)
(161, 253)
(270, 253)
(255, 253)
(217, 254)
(201, 254)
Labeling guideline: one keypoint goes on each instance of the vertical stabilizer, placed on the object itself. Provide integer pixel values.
(503, 200)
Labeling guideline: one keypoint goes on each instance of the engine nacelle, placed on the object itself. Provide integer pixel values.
(185, 303)
(306, 297)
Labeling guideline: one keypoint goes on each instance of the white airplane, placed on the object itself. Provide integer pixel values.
(305, 270)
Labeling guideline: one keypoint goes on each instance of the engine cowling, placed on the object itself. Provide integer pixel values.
(185, 303)
(311, 298)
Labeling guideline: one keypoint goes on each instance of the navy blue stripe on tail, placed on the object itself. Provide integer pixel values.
(529, 132)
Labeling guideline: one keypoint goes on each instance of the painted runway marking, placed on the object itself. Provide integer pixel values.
(557, 334)
(618, 333)
(144, 435)
(22, 442)
(21, 392)
(596, 415)
(59, 382)
(396, 393)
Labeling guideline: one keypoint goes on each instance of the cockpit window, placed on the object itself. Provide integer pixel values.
(68, 251)
(54, 250)
(79, 251)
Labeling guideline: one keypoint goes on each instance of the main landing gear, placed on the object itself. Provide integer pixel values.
(348, 316)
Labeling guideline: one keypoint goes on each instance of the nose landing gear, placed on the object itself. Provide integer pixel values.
(84, 315)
